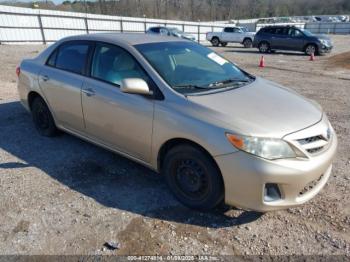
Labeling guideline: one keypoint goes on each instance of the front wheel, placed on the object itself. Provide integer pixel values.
(42, 118)
(215, 41)
(247, 43)
(223, 44)
(311, 49)
(193, 177)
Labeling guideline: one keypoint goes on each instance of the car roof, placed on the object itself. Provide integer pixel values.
(159, 26)
(126, 38)
(279, 26)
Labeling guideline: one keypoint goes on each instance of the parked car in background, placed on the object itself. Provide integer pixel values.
(216, 133)
(231, 35)
(170, 31)
(270, 20)
(292, 39)
(344, 18)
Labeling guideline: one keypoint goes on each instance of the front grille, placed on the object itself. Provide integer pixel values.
(310, 186)
(309, 140)
(315, 150)
(313, 144)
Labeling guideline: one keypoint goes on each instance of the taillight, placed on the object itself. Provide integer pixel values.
(18, 71)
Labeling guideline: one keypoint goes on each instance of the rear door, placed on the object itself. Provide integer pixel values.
(237, 35)
(226, 34)
(61, 80)
(296, 40)
(268, 35)
(279, 39)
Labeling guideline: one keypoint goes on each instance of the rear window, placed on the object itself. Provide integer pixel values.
(267, 30)
(155, 29)
(281, 31)
(228, 29)
(72, 57)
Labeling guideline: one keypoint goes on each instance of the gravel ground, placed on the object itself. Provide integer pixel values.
(66, 196)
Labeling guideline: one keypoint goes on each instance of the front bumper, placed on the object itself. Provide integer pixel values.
(245, 177)
(325, 48)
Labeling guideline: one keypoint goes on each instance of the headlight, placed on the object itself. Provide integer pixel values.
(269, 148)
(324, 42)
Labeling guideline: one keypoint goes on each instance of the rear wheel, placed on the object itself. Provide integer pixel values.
(248, 43)
(310, 49)
(42, 118)
(193, 177)
(264, 47)
(215, 41)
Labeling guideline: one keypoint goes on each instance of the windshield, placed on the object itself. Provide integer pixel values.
(244, 29)
(307, 32)
(176, 31)
(190, 67)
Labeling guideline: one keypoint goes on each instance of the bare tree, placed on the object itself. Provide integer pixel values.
(204, 10)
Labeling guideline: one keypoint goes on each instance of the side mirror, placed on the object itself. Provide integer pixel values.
(135, 86)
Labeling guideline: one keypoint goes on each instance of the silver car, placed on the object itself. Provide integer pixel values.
(217, 133)
(170, 31)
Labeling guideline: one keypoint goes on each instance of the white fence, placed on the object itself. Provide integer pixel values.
(341, 28)
(328, 28)
(19, 25)
(298, 25)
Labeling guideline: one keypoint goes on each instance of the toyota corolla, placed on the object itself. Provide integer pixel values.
(217, 133)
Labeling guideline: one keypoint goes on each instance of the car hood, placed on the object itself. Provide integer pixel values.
(320, 36)
(188, 36)
(261, 108)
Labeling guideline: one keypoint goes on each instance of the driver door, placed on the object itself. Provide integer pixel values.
(118, 120)
(237, 35)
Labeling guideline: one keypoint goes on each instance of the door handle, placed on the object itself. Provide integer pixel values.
(45, 78)
(88, 91)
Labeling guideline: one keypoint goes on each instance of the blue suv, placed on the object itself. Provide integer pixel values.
(291, 38)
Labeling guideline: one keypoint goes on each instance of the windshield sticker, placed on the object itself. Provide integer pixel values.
(217, 59)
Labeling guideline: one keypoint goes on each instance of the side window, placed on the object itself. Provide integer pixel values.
(155, 29)
(295, 32)
(228, 29)
(271, 30)
(279, 31)
(52, 59)
(285, 31)
(236, 30)
(72, 57)
(164, 31)
(112, 64)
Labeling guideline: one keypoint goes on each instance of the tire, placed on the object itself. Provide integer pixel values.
(42, 118)
(311, 48)
(264, 47)
(248, 43)
(215, 41)
(223, 44)
(193, 178)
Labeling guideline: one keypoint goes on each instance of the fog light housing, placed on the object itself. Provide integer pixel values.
(271, 193)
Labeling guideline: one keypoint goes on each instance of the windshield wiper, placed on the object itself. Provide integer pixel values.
(215, 85)
(228, 81)
(191, 86)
